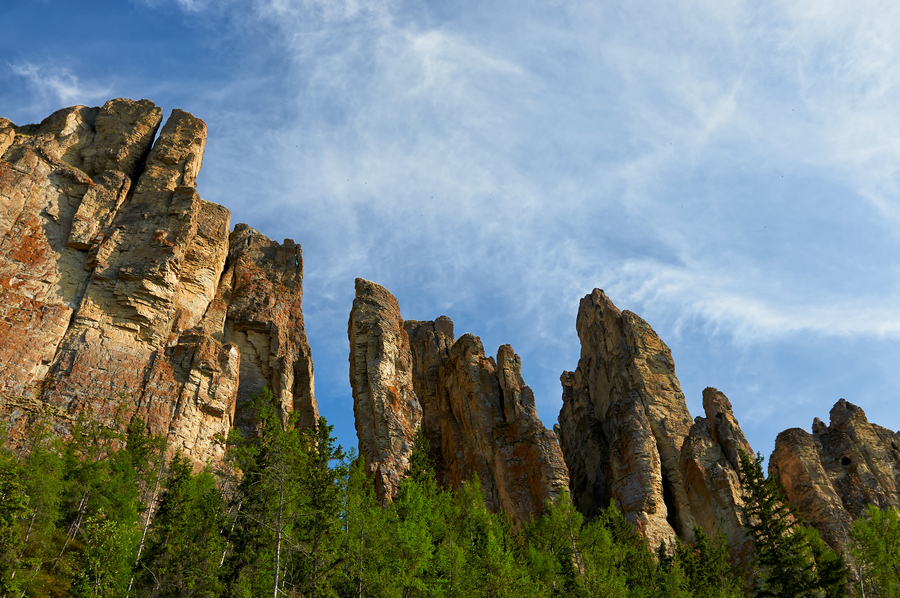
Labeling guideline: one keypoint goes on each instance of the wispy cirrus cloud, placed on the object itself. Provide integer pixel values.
(56, 85)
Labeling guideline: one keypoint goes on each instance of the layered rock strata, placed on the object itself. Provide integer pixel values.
(627, 435)
(833, 474)
(122, 292)
(476, 411)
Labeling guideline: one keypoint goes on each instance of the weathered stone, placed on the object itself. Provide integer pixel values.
(627, 435)
(834, 474)
(709, 464)
(477, 413)
(7, 135)
(430, 344)
(623, 422)
(385, 407)
(263, 290)
(724, 426)
(123, 133)
(489, 427)
(114, 297)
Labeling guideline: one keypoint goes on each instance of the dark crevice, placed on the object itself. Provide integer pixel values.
(669, 500)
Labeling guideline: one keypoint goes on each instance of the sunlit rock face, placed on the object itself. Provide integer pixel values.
(832, 475)
(122, 292)
(627, 435)
(477, 413)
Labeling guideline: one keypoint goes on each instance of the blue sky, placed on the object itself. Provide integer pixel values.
(729, 170)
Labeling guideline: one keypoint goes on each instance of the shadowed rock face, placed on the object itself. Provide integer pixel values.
(122, 291)
(476, 411)
(832, 475)
(627, 435)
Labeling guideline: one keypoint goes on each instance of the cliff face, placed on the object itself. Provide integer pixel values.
(627, 435)
(476, 411)
(122, 291)
(835, 473)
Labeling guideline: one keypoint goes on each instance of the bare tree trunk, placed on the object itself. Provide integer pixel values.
(25, 543)
(162, 462)
(278, 540)
(73, 529)
(233, 523)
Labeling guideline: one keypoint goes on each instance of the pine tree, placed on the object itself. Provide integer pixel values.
(265, 502)
(185, 545)
(787, 566)
(706, 566)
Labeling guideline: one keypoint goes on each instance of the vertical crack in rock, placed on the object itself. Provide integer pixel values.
(113, 291)
(477, 413)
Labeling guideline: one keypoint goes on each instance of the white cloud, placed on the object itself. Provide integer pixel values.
(59, 86)
(746, 305)
(188, 6)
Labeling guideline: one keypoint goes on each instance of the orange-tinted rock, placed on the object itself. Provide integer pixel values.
(477, 413)
(832, 475)
(489, 427)
(111, 270)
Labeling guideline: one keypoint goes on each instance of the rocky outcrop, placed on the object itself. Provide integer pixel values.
(122, 292)
(709, 464)
(476, 412)
(832, 475)
(385, 407)
(627, 435)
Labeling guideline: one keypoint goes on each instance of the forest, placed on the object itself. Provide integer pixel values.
(103, 513)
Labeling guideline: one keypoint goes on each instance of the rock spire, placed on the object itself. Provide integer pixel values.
(476, 411)
(627, 435)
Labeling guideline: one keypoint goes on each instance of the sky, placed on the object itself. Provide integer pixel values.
(729, 170)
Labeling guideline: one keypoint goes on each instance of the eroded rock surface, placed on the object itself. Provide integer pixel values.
(709, 465)
(832, 475)
(385, 407)
(122, 291)
(476, 411)
(627, 435)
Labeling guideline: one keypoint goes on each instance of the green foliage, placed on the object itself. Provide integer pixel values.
(102, 567)
(792, 560)
(295, 516)
(876, 548)
(185, 544)
(707, 566)
(13, 509)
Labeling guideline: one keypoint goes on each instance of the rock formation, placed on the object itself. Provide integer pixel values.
(832, 475)
(627, 435)
(385, 407)
(709, 465)
(122, 291)
(476, 412)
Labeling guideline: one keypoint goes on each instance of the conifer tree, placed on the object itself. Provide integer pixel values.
(185, 543)
(787, 566)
